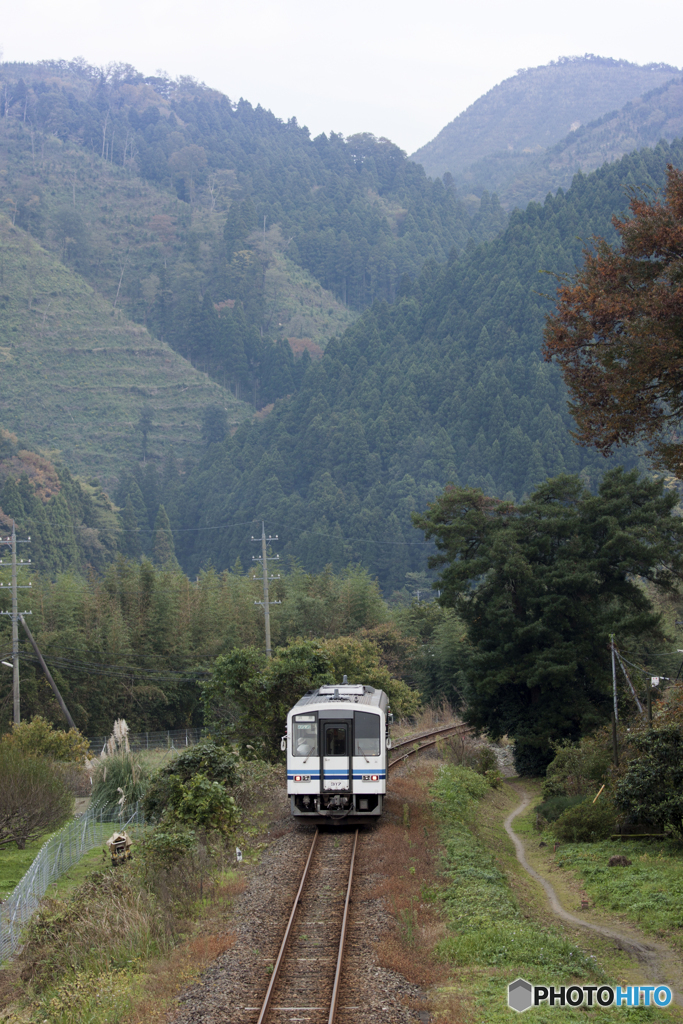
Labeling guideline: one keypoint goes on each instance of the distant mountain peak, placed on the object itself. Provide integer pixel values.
(538, 107)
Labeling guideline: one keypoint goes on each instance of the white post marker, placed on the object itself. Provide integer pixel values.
(238, 855)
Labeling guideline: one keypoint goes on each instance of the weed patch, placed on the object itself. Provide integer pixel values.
(488, 938)
(648, 892)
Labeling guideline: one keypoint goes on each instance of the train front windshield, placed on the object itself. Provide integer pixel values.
(305, 739)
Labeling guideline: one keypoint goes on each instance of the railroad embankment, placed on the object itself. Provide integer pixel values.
(443, 917)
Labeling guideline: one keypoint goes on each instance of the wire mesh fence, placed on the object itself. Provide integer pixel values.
(60, 852)
(167, 739)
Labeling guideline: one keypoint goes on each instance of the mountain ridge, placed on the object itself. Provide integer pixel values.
(537, 108)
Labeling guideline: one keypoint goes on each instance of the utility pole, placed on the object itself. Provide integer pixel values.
(615, 713)
(12, 542)
(263, 557)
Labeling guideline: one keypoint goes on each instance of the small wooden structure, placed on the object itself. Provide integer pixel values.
(119, 847)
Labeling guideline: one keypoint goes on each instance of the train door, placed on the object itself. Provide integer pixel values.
(335, 763)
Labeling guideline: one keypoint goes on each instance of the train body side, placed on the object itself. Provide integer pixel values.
(337, 753)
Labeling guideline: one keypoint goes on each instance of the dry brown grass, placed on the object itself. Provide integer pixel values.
(404, 857)
(166, 977)
(430, 718)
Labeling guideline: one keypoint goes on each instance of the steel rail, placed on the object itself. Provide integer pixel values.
(285, 940)
(342, 937)
(422, 746)
(458, 727)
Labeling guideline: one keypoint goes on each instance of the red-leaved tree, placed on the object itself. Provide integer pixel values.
(617, 333)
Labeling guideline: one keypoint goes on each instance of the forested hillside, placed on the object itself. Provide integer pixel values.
(445, 385)
(81, 379)
(537, 107)
(229, 234)
(519, 177)
(73, 524)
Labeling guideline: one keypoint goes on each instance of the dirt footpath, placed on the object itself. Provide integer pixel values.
(663, 963)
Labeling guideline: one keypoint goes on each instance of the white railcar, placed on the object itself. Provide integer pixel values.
(337, 740)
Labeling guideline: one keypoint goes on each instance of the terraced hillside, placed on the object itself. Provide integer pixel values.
(76, 374)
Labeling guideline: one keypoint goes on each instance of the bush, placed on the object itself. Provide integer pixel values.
(33, 797)
(486, 761)
(552, 808)
(578, 768)
(460, 749)
(214, 763)
(203, 803)
(494, 778)
(162, 848)
(120, 779)
(586, 822)
(39, 737)
(651, 791)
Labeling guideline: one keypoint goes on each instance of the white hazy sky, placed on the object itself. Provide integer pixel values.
(401, 69)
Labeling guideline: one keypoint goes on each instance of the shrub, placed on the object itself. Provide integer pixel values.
(162, 848)
(33, 797)
(651, 791)
(211, 761)
(586, 822)
(494, 778)
(486, 760)
(120, 778)
(39, 737)
(202, 802)
(578, 768)
(552, 808)
(460, 749)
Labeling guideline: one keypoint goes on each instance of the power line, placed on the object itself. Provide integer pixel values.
(117, 670)
(188, 529)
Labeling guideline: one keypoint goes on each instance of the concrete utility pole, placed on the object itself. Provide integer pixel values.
(263, 558)
(15, 632)
(615, 713)
(12, 542)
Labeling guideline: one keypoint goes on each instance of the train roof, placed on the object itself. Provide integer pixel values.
(337, 696)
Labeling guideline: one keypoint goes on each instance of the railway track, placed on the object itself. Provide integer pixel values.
(431, 738)
(306, 979)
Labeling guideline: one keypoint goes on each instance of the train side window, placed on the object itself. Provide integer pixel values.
(366, 733)
(305, 736)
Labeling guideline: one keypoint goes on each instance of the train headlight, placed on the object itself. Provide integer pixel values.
(374, 778)
(297, 778)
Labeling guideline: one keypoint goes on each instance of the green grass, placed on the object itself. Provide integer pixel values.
(492, 939)
(649, 892)
(95, 860)
(15, 863)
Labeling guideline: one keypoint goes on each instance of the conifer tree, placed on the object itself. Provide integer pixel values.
(130, 541)
(541, 585)
(163, 548)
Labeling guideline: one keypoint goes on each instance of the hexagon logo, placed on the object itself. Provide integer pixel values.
(520, 996)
